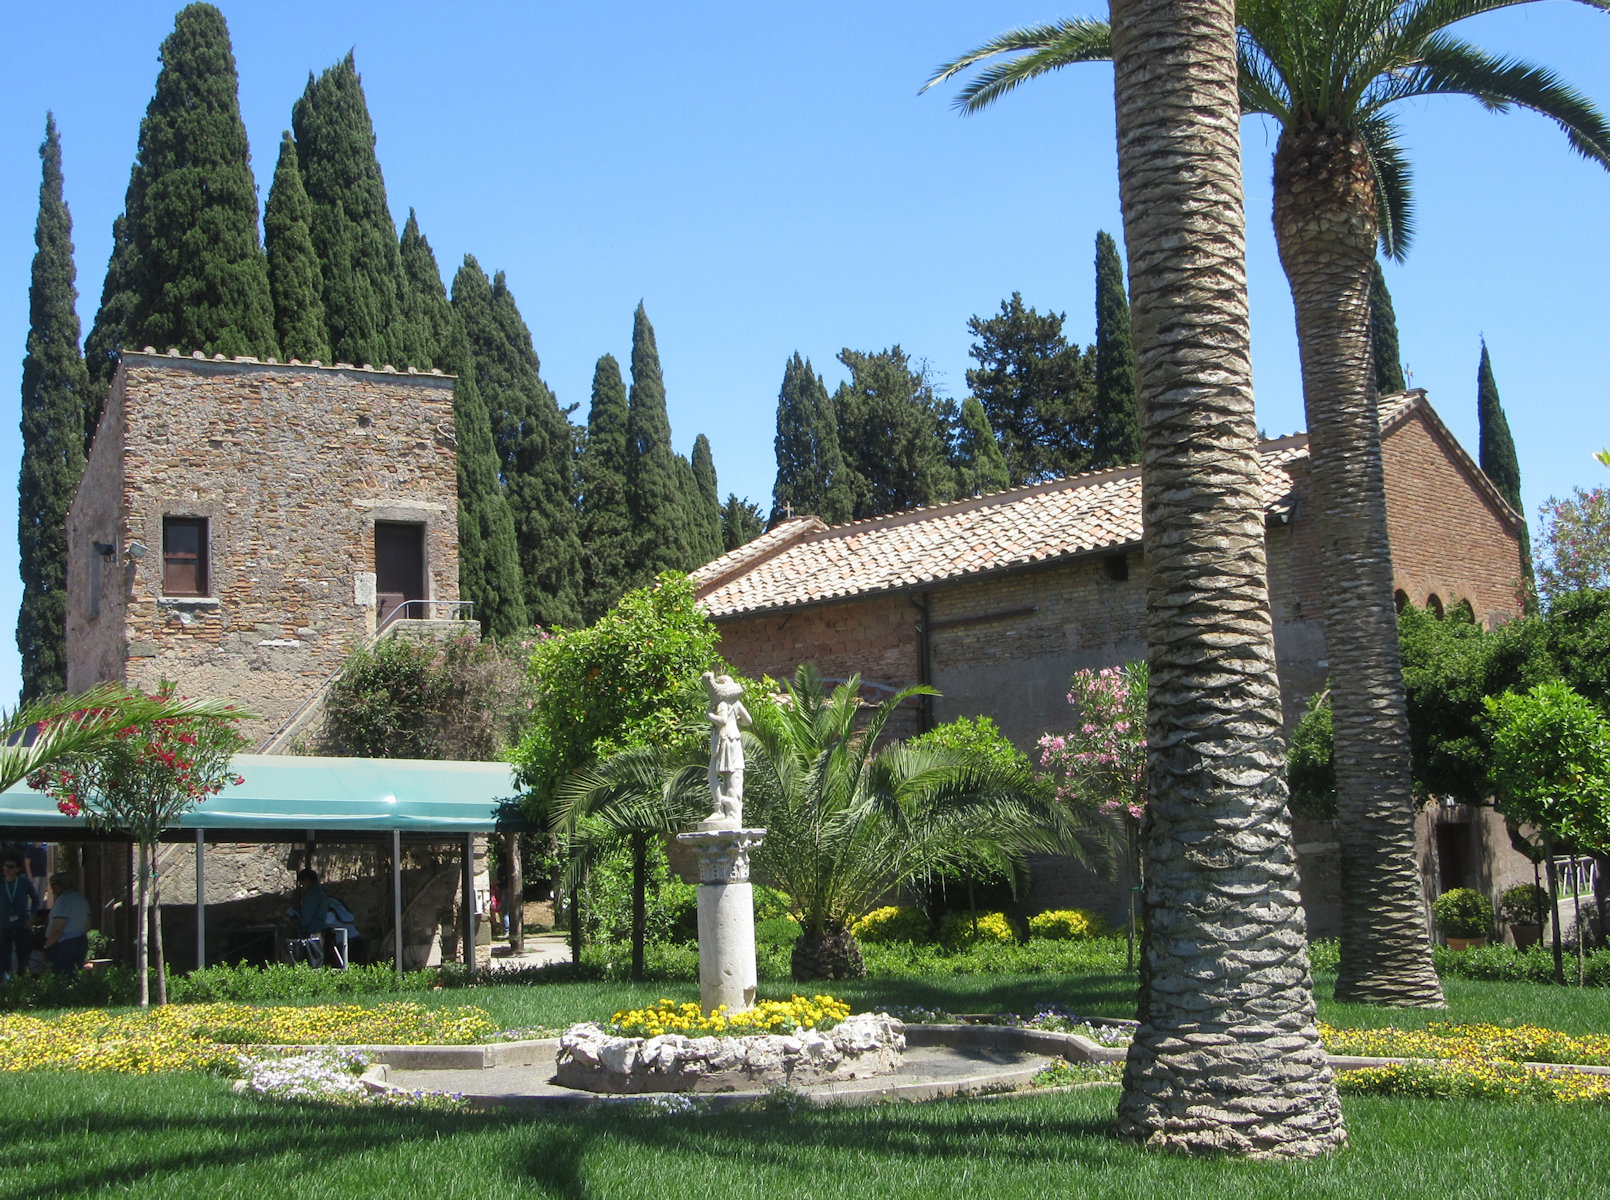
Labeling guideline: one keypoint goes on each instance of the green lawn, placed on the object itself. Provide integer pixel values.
(188, 1136)
(1569, 1009)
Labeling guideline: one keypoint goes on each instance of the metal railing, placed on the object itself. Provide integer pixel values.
(462, 610)
(457, 610)
(1577, 876)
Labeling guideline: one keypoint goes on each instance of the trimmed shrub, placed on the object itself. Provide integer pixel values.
(1066, 924)
(1463, 913)
(969, 928)
(893, 923)
(1524, 904)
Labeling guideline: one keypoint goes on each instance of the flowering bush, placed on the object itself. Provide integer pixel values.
(205, 1037)
(151, 773)
(768, 1016)
(1062, 924)
(1476, 1080)
(892, 923)
(1101, 763)
(1573, 544)
(1443, 1040)
(330, 1076)
(965, 928)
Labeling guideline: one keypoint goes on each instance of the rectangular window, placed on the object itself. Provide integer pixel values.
(184, 556)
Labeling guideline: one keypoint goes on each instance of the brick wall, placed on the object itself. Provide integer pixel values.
(1450, 538)
(291, 467)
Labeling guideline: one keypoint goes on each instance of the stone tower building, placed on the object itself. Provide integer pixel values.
(241, 525)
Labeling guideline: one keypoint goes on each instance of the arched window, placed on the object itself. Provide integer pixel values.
(1434, 603)
(1462, 611)
(1400, 600)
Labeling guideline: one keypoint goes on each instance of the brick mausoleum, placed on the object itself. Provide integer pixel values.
(997, 600)
(239, 528)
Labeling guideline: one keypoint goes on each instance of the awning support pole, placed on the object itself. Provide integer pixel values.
(396, 900)
(469, 901)
(201, 898)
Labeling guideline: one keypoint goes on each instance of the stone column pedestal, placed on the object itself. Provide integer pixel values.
(726, 916)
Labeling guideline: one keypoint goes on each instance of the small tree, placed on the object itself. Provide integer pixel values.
(1100, 764)
(627, 681)
(1551, 765)
(139, 783)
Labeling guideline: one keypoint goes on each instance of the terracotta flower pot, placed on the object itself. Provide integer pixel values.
(1465, 943)
(1526, 936)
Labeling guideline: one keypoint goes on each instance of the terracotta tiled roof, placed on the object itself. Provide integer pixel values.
(803, 561)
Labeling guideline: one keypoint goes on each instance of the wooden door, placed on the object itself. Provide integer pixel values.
(399, 568)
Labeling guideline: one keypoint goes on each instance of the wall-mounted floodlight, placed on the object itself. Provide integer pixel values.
(136, 550)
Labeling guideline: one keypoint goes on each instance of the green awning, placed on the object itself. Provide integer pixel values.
(295, 794)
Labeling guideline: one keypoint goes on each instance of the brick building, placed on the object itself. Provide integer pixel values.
(239, 528)
(997, 600)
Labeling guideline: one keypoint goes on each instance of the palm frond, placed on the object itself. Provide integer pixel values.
(1394, 206)
(67, 725)
(1039, 50)
(1427, 18)
(1261, 87)
(1451, 67)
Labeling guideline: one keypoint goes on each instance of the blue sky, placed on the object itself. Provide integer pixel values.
(766, 179)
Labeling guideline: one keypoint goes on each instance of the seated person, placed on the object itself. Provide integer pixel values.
(67, 935)
(312, 917)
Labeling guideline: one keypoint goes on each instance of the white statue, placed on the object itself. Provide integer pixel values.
(727, 717)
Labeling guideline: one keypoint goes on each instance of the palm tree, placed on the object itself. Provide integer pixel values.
(630, 797)
(1226, 1057)
(1329, 71)
(850, 818)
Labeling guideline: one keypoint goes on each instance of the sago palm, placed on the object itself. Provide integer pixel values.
(850, 818)
(1330, 72)
(628, 799)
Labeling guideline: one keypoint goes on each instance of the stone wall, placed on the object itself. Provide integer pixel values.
(291, 466)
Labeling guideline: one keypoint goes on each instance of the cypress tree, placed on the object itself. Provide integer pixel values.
(810, 466)
(187, 270)
(353, 232)
(294, 279)
(1384, 337)
(55, 385)
(202, 276)
(488, 554)
(980, 465)
(426, 311)
(106, 339)
(706, 502)
(893, 432)
(1499, 462)
(1036, 389)
(655, 495)
(741, 522)
(606, 522)
(535, 444)
(1116, 416)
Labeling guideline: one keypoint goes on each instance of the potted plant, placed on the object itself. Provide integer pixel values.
(1522, 906)
(1463, 917)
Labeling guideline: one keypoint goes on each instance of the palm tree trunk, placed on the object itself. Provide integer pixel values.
(1226, 1057)
(1325, 227)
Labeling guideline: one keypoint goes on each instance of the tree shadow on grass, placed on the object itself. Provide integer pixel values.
(555, 1151)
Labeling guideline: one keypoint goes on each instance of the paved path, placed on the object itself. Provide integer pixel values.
(540, 950)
